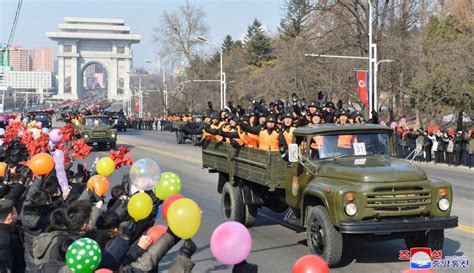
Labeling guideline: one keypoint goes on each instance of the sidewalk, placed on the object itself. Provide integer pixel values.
(443, 166)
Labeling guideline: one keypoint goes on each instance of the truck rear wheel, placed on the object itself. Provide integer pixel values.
(233, 208)
(433, 239)
(323, 239)
(250, 215)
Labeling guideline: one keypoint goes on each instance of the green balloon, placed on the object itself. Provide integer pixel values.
(83, 256)
(169, 184)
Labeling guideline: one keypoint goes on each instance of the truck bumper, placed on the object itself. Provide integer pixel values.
(91, 141)
(393, 226)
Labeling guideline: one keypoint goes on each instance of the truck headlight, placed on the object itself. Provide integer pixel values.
(443, 204)
(86, 136)
(113, 135)
(351, 209)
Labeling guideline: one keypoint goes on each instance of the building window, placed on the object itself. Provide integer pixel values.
(67, 48)
(120, 50)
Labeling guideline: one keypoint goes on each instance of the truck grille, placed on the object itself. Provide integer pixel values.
(99, 134)
(390, 199)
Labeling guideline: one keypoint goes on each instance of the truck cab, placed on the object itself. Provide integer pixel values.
(335, 182)
(98, 129)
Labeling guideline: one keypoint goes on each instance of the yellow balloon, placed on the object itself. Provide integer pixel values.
(139, 206)
(105, 166)
(184, 218)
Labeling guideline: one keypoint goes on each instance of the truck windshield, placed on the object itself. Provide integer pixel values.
(356, 144)
(96, 121)
(41, 117)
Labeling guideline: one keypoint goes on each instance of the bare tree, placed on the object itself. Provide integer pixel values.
(175, 37)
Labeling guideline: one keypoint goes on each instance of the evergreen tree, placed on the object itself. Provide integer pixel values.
(295, 19)
(257, 45)
(227, 44)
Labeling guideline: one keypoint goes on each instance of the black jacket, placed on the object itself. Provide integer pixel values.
(11, 248)
(35, 220)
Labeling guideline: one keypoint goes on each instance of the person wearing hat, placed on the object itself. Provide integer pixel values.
(357, 118)
(342, 117)
(316, 119)
(328, 112)
(268, 135)
(229, 131)
(11, 235)
(287, 128)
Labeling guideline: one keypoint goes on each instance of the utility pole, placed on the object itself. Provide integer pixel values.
(165, 94)
(140, 97)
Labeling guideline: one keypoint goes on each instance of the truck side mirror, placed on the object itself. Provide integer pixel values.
(293, 152)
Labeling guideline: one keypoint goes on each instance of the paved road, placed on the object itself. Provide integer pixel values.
(275, 247)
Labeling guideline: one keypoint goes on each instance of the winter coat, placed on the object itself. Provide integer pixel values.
(46, 250)
(458, 143)
(11, 249)
(434, 140)
(35, 220)
(471, 146)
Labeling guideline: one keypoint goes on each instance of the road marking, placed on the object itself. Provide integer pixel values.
(461, 227)
(164, 153)
(465, 228)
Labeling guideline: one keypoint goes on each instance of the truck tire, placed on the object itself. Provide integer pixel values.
(433, 239)
(113, 145)
(323, 239)
(251, 212)
(233, 208)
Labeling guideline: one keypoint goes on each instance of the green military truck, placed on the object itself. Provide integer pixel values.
(98, 129)
(188, 130)
(334, 190)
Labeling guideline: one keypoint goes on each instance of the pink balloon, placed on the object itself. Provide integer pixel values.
(55, 135)
(231, 243)
(104, 270)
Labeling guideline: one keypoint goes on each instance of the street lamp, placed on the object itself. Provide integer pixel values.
(222, 81)
(376, 70)
(140, 95)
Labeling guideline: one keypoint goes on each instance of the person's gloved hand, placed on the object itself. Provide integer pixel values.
(209, 104)
(25, 174)
(188, 248)
(245, 267)
(94, 197)
(294, 98)
(282, 150)
(320, 95)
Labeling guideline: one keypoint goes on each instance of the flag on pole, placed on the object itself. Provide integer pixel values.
(137, 105)
(362, 80)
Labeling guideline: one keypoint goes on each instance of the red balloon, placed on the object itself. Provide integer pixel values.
(168, 203)
(310, 264)
(155, 232)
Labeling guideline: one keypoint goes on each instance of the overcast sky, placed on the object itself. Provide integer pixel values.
(223, 16)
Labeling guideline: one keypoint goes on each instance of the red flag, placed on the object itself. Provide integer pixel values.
(137, 105)
(362, 80)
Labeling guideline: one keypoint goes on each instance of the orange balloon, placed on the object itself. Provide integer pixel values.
(41, 163)
(3, 169)
(98, 184)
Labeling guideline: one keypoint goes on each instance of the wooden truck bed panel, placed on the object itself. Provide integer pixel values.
(258, 166)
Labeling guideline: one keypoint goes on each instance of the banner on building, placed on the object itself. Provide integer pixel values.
(137, 105)
(362, 81)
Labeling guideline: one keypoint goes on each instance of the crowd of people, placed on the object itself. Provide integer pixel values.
(271, 126)
(454, 148)
(43, 213)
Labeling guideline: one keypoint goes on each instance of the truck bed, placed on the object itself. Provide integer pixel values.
(262, 167)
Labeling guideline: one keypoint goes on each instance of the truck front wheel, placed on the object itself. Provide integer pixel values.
(250, 215)
(433, 239)
(233, 208)
(323, 239)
